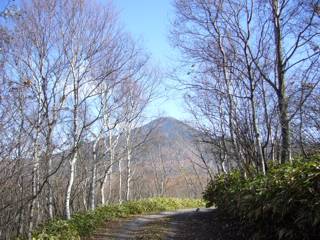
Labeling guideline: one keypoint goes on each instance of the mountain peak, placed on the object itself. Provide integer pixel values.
(167, 120)
(170, 127)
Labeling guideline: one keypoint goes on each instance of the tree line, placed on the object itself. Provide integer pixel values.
(73, 83)
(251, 76)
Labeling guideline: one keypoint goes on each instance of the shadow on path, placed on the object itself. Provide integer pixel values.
(196, 224)
(206, 224)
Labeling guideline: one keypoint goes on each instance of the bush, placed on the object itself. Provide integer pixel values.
(284, 204)
(84, 224)
(57, 230)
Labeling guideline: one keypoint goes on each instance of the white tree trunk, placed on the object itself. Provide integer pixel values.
(128, 142)
(35, 178)
(94, 175)
(50, 191)
(128, 175)
(120, 181)
(102, 189)
(75, 134)
(70, 184)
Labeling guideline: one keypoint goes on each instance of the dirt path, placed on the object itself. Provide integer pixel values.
(197, 224)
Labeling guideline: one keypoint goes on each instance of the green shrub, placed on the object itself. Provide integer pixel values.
(84, 224)
(284, 204)
(57, 230)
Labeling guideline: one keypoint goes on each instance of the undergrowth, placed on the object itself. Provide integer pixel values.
(284, 204)
(84, 224)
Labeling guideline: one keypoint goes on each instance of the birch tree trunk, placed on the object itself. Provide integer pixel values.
(112, 154)
(282, 97)
(94, 174)
(258, 145)
(111, 143)
(129, 149)
(72, 165)
(50, 191)
(107, 177)
(75, 139)
(35, 177)
(102, 190)
(120, 179)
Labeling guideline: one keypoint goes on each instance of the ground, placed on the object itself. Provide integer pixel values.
(197, 224)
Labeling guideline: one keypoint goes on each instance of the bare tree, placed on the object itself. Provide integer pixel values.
(242, 54)
(64, 65)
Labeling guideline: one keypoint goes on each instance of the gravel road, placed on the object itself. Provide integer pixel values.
(193, 224)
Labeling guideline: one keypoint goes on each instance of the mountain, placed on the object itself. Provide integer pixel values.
(171, 128)
(167, 162)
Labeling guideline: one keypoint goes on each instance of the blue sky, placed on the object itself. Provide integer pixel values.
(149, 22)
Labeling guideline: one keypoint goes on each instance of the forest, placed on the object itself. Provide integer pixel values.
(75, 89)
(253, 89)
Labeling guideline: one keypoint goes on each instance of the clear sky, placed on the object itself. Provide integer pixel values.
(149, 21)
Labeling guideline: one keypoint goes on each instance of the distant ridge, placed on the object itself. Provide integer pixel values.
(169, 153)
(171, 128)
